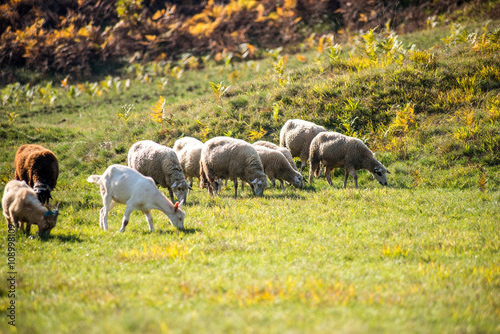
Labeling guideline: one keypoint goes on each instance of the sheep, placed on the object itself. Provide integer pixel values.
(188, 151)
(229, 158)
(124, 185)
(183, 142)
(21, 205)
(160, 163)
(335, 150)
(283, 150)
(276, 166)
(39, 167)
(296, 135)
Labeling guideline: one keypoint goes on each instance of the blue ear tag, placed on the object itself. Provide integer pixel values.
(48, 213)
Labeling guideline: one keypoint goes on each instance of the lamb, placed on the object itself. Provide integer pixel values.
(188, 151)
(276, 166)
(335, 150)
(283, 150)
(229, 158)
(21, 205)
(160, 163)
(296, 135)
(39, 167)
(124, 185)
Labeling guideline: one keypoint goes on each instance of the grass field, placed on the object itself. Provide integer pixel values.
(419, 256)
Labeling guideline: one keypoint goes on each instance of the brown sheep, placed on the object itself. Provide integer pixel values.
(39, 168)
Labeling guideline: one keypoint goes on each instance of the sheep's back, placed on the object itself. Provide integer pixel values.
(184, 142)
(155, 160)
(35, 163)
(297, 135)
(231, 158)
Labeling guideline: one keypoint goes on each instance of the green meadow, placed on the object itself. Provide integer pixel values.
(419, 256)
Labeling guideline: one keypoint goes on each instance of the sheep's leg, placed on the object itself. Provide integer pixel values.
(355, 177)
(328, 175)
(304, 158)
(28, 228)
(242, 185)
(171, 193)
(235, 181)
(191, 181)
(126, 217)
(17, 223)
(149, 218)
(345, 178)
(282, 185)
(273, 182)
(103, 216)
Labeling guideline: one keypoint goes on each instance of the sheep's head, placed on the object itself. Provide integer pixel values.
(178, 216)
(180, 189)
(380, 173)
(42, 192)
(48, 222)
(258, 186)
(297, 180)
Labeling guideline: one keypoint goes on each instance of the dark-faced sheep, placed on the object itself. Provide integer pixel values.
(335, 150)
(21, 205)
(296, 135)
(39, 168)
(229, 158)
(160, 163)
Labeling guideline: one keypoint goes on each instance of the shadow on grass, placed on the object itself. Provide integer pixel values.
(175, 232)
(62, 238)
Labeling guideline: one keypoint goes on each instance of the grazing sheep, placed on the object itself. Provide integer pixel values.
(283, 150)
(296, 135)
(21, 205)
(124, 185)
(183, 142)
(37, 166)
(276, 166)
(229, 158)
(335, 150)
(160, 163)
(188, 151)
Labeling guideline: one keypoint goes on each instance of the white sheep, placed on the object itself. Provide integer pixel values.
(124, 185)
(296, 135)
(160, 163)
(21, 205)
(283, 150)
(188, 151)
(229, 158)
(335, 150)
(276, 166)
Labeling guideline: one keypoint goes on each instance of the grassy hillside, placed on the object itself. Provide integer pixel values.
(421, 255)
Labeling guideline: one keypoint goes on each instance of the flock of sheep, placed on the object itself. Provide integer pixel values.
(26, 198)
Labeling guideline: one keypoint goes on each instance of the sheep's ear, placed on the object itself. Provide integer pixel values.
(49, 213)
(174, 185)
(255, 181)
(190, 188)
